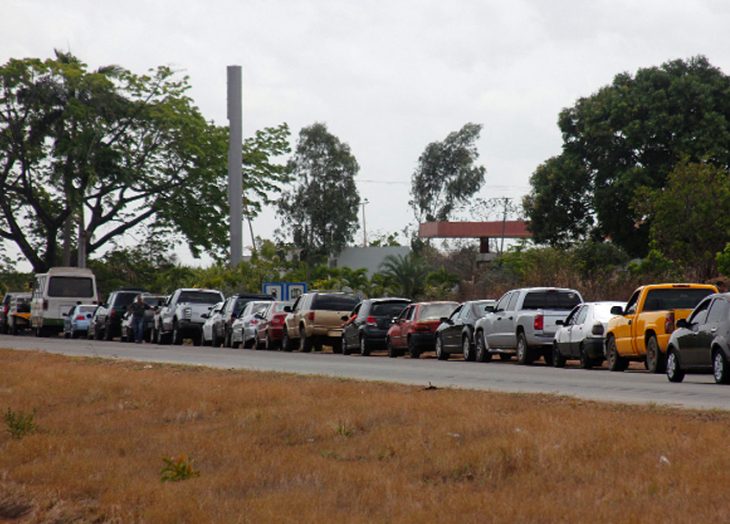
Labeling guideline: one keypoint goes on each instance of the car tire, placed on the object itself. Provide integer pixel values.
(177, 339)
(467, 349)
(720, 370)
(615, 361)
(440, 353)
(558, 357)
(286, 342)
(364, 347)
(97, 333)
(305, 343)
(197, 339)
(392, 352)
(655, 359)
(585, 361)
(524, 353)
(413, 351)
(482, 352)
(107, 333)
(345, 347)
(335, 344)
(674, 369)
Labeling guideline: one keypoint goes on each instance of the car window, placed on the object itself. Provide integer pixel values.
(699, 315)
(674, 298)
(581, 316)
(502, 304)
(411, 313)
(334, 302)
(551, 299)
(478, 308)
(70, 287)
(435, 311)
(456, 313)
(570, 319)
(198, 297)
(387, 309)
(296, 303)
(356, 311)
(718, 311)
(632, 303)
(513, 301)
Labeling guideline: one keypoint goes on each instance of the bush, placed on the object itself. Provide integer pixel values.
(177, 469)
(19, 424)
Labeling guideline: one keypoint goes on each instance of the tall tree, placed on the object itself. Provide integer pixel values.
(114, 151)
(627, 135)
(320, 210)
(447, 174)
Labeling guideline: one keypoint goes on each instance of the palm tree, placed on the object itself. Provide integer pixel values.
(405, 274)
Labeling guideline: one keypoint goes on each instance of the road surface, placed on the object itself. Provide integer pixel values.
(636, 386)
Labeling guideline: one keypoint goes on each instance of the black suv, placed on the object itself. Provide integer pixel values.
(107, 321)
(369, 322)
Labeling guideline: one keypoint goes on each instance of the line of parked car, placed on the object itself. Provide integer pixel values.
(672, 328)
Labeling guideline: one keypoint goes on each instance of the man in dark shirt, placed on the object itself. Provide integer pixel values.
(137, 308)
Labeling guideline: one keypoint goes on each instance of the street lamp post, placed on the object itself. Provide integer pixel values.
(364, 226)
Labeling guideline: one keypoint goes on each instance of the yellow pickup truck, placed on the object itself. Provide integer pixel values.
(641, 330)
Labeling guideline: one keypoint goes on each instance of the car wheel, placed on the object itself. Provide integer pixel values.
(392, 352)
(107, 332)
(615, 361)
(286, 342)
(674, 370)
(305, 342)
(197, 339)
(720, 370)
(524, 354)
(413, 350)
(558, 357)
(343, 345)
(335, 344)
(467, 349)
(482, 353)
(364, 347)
(97, 333)
(176, 335)
(585, 361)
(440, 353)
(655, 362)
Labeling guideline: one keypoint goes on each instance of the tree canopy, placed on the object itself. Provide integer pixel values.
(628, 135)
(112, 152)
(447, 174)
(319, 210)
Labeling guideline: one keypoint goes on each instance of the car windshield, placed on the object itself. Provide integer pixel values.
(674, 298)
(478, 307)
(278, 307)
(431, 311)
(551, 299)
(199, 297)
(334, 302)
(259, 307)
(387, 309)
(153, 301)
(70, 287)
(602, 312)
(124, 299)
(85, 309)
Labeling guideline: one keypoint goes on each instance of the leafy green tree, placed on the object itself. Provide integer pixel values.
(320, 211)
(405, 274)
(689, 216)
(627, 135)
(110, 152)
(447, 174)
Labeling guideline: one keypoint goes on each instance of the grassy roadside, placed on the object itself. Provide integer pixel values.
(274, 447)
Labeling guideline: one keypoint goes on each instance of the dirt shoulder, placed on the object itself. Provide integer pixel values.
(291, 448)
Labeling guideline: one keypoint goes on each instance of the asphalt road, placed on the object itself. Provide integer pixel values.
(634, 386)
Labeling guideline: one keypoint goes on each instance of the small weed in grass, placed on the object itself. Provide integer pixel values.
(19, 424)
(177, 469)
(343, 429)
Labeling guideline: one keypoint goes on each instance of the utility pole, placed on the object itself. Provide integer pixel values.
(235, 161)
(364, 226)
(505, 203)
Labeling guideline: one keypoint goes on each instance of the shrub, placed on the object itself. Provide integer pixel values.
(177, 469)
(19, 424)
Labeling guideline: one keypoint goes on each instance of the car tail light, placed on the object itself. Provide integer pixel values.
(112, 313)
(278, 319)
(310, 316)
(669, 322)
(539, 323)
(45, 304)
(80, 317)
(420, 326)
(371, 321)
(597, 329)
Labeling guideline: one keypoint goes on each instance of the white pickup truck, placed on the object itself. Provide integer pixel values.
(524, 323)
(181, 316)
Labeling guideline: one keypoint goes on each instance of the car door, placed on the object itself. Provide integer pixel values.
(352, 326)
(401, 327)
(507, 329)
(623, 327)
(562, 336)
(452, 331)
(495, 336)
(689, 341)
(577, 331)
(701, 348)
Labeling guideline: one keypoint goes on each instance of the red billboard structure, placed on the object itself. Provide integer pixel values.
(484, 231)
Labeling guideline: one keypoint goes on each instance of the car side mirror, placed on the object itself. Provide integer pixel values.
(489, 309)
(617, 310)
(560, 322)
(205, 315)
(287, 309)
(344, 318)
(446, 320)
(682, 323)
(88, 315)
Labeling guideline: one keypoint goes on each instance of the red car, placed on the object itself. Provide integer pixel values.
(270, 329)
(414, 329)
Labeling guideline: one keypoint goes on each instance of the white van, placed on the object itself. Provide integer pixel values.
(55, 293)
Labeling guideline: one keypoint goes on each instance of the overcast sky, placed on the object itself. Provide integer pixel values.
(387, 77)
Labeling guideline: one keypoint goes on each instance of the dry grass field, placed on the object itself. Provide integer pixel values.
(284, 448)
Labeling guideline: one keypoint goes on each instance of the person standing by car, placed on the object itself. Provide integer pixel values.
(137, 309)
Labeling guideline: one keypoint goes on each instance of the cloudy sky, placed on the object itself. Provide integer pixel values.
(387, 77)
